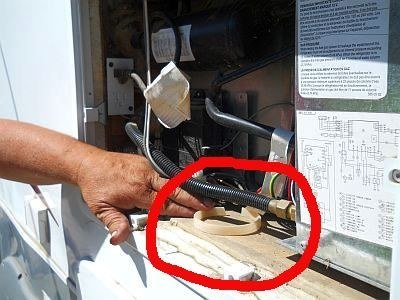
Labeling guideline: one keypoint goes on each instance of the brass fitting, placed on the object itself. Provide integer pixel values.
(283, 209)
(292, 212)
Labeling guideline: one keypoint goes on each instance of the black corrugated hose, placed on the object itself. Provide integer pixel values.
(239, 124)
(233, 122)
(196, 186)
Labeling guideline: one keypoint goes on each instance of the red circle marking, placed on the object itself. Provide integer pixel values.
(253, 165)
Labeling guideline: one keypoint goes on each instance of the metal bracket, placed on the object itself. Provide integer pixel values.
(96, 114)
(120, 90)
(280, 152)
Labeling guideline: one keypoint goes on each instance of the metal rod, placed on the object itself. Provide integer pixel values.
(147, 40)
(147, 120)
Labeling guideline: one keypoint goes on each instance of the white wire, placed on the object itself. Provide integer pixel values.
(292, 193)
(9, 83)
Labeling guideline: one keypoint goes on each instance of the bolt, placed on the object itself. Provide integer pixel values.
(396, 175)
(303, 244)
(111, 64)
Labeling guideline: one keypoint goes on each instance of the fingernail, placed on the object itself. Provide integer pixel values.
(113, 234)
(208, 203)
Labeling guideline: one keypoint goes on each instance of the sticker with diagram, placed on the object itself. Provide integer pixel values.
(342, 158)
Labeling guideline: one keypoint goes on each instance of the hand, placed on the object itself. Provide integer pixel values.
(113, 183)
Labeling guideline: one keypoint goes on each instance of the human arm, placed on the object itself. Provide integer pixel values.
(111, 183)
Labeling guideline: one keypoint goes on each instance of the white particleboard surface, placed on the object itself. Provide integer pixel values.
(263, 250)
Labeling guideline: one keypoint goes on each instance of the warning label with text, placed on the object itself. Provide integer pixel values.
(343, 48)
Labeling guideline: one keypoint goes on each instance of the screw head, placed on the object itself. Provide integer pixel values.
(303, 244)
(396, 175)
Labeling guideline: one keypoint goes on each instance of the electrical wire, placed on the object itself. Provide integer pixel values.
(268, 107)
(287, 225)
(271, 184)
(291, 181)
(235, 179)
(186, 145)
(198, 146)
(223, 79)
(195, 186)
(179, 9)
(9, 83)
(289, 186)
(292, 192)
(231, 141)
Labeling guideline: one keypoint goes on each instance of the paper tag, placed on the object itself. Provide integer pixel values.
(169, 97)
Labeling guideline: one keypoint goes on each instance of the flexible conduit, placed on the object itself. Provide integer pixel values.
(196, 186)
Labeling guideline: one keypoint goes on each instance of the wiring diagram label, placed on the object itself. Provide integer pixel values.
(163, 44)
(343, 48)
(343, 160)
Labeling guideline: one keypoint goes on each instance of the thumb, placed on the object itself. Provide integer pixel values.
(117, 224)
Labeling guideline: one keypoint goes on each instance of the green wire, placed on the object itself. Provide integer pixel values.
(271, 184)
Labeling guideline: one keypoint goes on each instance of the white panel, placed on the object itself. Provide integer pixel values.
(7, 109)
(38, 84)
(37, 42)
(120, 96)
(394, 189)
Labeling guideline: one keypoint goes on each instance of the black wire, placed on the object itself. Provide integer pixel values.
(231, 141)
(178, 41)
(198, 146)
(234, 138)
(286, 224)
(233, 177)
(180, 8)
(223, 79)
(188, 148)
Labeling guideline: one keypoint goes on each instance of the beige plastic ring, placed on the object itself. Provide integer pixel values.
(253, 226)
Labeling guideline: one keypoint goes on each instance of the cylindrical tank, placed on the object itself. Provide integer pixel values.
(211, 39)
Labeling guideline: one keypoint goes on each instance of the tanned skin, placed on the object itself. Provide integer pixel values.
(110, 183)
